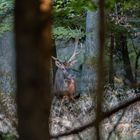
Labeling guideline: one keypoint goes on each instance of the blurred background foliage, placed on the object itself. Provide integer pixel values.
(6, 15)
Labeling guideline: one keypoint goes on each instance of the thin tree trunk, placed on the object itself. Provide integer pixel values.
(101, 69)
(126, 60)
(136, 66)
(111, 67)
(54, 53)
(33, 48)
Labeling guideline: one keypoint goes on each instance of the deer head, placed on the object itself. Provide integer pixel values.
(70, 62)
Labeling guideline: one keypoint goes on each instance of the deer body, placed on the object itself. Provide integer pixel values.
(71, 89)
(65, 85)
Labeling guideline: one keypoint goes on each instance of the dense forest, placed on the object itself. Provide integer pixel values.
(69, 70)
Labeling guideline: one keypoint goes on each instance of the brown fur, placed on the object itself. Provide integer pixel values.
(64, 87)
(71, 89)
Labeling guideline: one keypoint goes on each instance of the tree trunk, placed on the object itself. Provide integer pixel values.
(136, 67)
(126, 60)
(33, 48)
(7, 63)
(54, 68)
(101, 69)
(89, 67)
(111, 67)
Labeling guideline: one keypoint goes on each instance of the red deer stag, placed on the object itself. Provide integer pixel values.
(64, 84)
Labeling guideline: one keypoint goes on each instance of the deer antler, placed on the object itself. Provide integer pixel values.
(72, 60)
(56, 59)
(58, 63)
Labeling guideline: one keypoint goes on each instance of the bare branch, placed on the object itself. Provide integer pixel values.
(115, 126)
(104, 116)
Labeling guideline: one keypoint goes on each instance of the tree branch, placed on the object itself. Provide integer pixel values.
(116, 125)
(104, 116)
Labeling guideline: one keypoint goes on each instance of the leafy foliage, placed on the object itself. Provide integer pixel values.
(5, 27)
(68, 14)
(6, 15)
(67, 33)
(6, 5)
(8, 136)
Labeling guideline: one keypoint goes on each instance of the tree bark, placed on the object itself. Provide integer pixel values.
(89, 67)
(126, 60)
(101, 69)
(7, 63)
(111, 67)
(136, 67)
(33, 48)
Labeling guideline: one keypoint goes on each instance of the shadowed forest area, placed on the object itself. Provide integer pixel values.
(69, 70)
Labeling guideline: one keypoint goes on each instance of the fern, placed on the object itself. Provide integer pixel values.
(67, 33)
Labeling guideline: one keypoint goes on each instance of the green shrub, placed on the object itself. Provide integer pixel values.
(9, 136)
(67, 33)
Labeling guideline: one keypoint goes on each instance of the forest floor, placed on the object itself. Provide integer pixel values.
(124, 124)
(67, 116)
